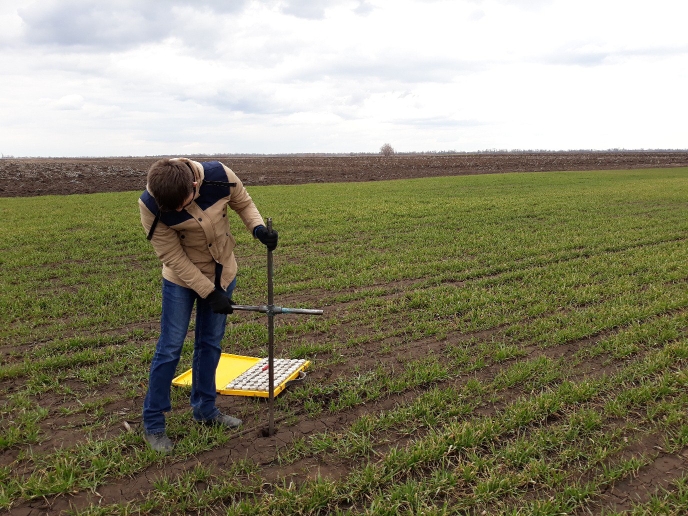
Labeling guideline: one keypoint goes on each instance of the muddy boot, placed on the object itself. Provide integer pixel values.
(223, 420)
(159, 442)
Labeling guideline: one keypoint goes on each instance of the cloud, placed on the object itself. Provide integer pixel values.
(316, 10)
(89, 24)
(389, 66)
(256, 102)
(337, 74)
(111, 26)
(587, 55)
(578, 57)
(436, 122)
(71, 102)
(364, 8)
(304, 9)
(528, 5)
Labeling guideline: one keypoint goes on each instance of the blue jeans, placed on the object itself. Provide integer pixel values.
(177, 303)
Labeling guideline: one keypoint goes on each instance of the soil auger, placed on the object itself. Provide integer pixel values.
(271, 310)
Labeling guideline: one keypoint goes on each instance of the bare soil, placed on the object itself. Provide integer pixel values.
(61, 176)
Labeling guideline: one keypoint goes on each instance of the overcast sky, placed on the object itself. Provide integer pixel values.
(139, 77)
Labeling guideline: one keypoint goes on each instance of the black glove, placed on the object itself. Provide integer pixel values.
(269, 238)
(219, 302)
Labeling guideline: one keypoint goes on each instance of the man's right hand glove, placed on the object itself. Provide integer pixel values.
(219, 302)
(268, 238)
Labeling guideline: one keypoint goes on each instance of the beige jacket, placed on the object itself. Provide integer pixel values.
(195, 239)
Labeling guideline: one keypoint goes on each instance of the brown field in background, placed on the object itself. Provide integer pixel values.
(26, 177)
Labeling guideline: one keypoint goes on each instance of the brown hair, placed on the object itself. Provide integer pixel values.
(170, 183)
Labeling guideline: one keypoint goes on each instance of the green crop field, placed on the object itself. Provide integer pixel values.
(509, 344)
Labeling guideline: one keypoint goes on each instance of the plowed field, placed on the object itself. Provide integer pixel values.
(29, 177)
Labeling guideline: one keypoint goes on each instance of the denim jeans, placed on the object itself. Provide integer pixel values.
(177, 303)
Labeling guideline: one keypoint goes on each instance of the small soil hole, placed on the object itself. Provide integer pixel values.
(265, 432)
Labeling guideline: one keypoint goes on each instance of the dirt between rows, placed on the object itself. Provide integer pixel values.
(27, 177)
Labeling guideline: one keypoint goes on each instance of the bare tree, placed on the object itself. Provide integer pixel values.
(386, 150)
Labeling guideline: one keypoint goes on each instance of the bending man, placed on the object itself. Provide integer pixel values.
(184, 213)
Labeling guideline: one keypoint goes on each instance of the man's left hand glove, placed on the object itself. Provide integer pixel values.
(268, 238)
(219, 302)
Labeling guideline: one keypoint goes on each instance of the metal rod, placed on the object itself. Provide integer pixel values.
(271, 310)
(271, 341)
(277, 309)
(309, 311)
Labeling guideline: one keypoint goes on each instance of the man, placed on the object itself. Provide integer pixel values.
(184, 213)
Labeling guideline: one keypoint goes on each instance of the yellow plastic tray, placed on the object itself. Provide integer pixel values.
(232, 367)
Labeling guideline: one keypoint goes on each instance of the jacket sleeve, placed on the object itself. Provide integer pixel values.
(170, 252)
(240, 201)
